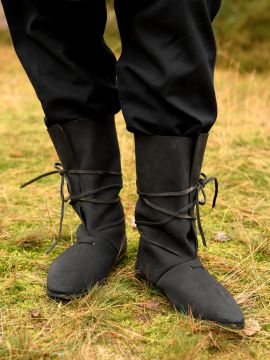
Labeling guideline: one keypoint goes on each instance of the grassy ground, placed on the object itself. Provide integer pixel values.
(126, 319)
(242, 29)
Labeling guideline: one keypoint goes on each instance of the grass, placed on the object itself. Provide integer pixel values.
(242, 29)
(117, 321)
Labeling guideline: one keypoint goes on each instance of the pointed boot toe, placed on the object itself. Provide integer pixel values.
(190, 288)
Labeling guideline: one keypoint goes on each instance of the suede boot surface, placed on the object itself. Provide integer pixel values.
(169, 184)
(89, 154)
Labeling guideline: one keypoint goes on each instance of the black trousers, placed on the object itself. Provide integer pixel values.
(163, 80)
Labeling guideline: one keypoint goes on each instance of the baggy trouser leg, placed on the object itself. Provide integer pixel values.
(61, 47)
(165, 72)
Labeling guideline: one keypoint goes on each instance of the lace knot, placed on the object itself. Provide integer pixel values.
(64, 174)
(182, 213)
(203, 181)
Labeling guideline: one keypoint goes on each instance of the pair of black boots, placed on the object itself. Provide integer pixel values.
(169, 182)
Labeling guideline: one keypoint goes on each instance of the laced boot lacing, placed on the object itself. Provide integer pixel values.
(183, 212)
(81, 197)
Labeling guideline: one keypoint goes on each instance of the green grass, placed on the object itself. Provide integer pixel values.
(242, 30)
(114, 321)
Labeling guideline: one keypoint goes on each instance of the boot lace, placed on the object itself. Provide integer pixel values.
(81, 197)
(182, 213)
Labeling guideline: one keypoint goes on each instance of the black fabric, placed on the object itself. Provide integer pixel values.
(165, 73)
(89, 153)
(60, 44)
(169, 184)
(163, 82)
(189, 287)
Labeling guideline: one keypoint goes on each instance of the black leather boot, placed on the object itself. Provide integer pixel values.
(169, 182)
(90, 163)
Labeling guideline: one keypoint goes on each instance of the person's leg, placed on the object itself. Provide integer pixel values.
(165, 78)
(165, 72)
(60, 44)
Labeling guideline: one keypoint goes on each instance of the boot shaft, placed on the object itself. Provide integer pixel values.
(168, 173)
(87, 144)
(89, 152)
(168, 163)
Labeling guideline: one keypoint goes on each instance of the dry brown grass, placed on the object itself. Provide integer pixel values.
(111, 323)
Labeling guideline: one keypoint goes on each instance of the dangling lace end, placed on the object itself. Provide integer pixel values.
(203, 182)
(50, 249)
(64, 178)
(59, 236)
(198, 216)
(203, 239)
(216, 193)
(38, 178)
